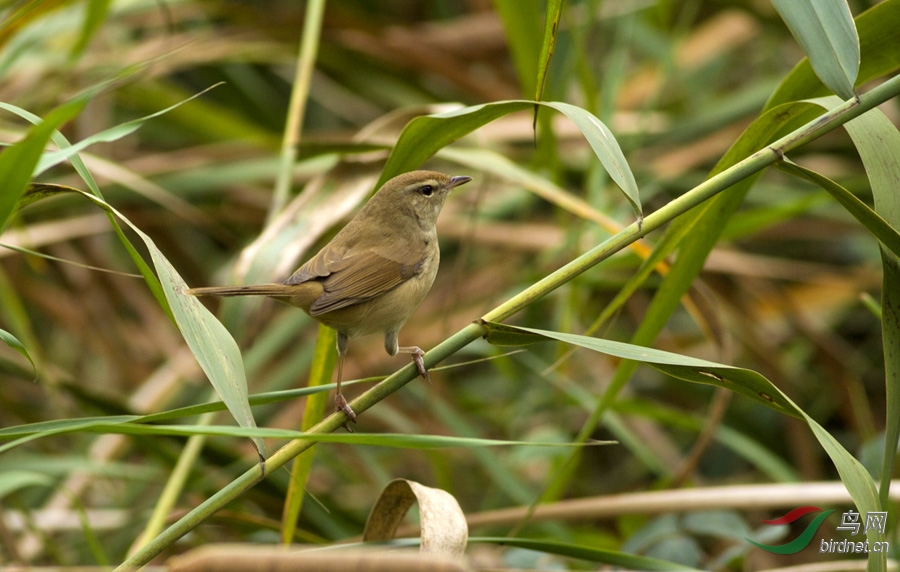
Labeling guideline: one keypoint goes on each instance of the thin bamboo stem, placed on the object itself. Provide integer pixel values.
(306, 63)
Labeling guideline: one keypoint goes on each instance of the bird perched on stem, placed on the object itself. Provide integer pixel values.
(374, 273)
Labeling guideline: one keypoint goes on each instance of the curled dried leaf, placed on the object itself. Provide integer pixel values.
(444, 528)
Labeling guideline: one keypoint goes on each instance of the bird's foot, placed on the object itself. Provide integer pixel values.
(418, 358)
(342, 405)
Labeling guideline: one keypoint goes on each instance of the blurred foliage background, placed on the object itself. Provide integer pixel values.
(677, 82)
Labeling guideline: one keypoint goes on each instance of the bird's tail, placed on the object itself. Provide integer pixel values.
(273, 290)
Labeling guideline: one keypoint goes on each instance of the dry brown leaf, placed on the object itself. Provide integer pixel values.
(443, 524)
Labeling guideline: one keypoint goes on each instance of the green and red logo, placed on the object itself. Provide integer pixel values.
(805, 537)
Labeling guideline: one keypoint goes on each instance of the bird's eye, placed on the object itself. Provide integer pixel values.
(426, 190)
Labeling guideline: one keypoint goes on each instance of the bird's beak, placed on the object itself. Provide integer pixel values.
(457, 181)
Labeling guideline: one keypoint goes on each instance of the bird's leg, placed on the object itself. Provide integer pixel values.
(417, 356)
(339, 400)
(393, 348)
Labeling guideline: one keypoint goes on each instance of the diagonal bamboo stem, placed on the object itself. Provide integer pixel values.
(711, 187)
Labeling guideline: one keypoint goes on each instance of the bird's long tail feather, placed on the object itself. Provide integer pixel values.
(254, 290)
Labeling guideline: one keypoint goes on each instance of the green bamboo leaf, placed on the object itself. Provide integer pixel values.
(52, 427)
(745, 382)
(878, 140)
(12, 481)
(53, 158)
(63, 425)
(551, 26)
(95, 15)
(398, 440)
(521, 22)
(880, 55)
(80, 168)
(27, 433)
(880, 229)
(17, 162)
(14, 343)
(749, 384)
(424, 136)
(694, 234)
(211, 343)
(827, 34)
(607, 149)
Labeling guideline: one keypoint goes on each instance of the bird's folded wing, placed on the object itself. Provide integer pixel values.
(357, 277)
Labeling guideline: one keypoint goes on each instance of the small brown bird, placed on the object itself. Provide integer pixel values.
(374, 273)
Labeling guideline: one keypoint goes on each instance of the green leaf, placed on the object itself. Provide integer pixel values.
(744, 382)
(82, 171)
(826, 32)
(607, 149)
(551, 26)
(880, 229)
(521, 22)
(95, 15)
(212, 345)
(879, 45)
(53, 158)
(15, 344)
(17, 162)
(424, 136)
(47, 428)
(878, 140)
(35, 431)
(12, 481)
(400, 440)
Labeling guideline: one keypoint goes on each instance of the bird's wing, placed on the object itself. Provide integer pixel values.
(355, 275)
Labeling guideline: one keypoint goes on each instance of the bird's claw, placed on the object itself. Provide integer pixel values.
(417, 356)
(341, 405)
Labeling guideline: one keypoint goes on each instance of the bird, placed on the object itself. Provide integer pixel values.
(374, 273)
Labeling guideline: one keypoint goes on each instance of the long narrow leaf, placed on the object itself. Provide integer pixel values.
(114, 133)
(522, 23)
(607, 149)
(878, 30)
(551, 27)
(880, 229)
(14, 343)
(424, 136)
(17, 162)
(742, 381)
(878, 140)
(212, 345)
(827, 34)
(86, 176)
(745, 382)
